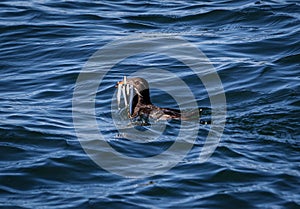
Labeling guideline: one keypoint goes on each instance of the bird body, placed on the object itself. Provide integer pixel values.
(138, 100)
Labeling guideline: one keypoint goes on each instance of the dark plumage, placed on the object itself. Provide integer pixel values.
(143, 109)
(142, 105)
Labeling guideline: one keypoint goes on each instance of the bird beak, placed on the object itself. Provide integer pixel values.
(119, 83)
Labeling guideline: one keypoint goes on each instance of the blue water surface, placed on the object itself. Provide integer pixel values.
(253, 45)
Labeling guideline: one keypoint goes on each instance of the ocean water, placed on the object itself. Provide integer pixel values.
(255, 49)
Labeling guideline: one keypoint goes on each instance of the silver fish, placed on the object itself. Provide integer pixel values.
(119, 95)
(130, 100)
(124, 95)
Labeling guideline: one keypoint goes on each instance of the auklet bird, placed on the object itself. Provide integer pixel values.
(136, 95)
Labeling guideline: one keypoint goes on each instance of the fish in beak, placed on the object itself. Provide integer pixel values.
(126, 91)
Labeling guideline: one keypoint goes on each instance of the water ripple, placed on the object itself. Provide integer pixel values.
(254, 47)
